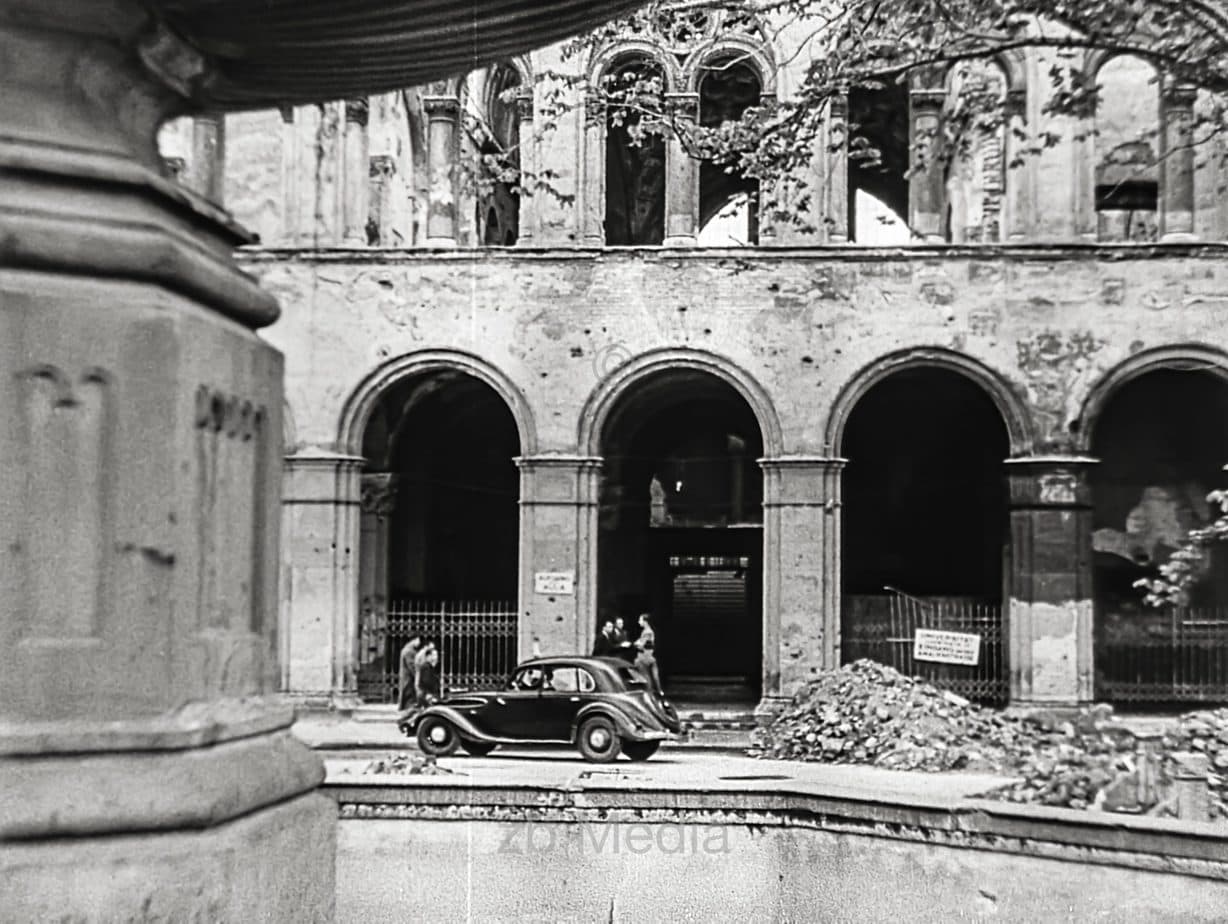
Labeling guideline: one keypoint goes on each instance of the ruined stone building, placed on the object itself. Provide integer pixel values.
(512, 416)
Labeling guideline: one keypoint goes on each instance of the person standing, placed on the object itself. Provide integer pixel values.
(604, 647)
(428, 676)
(620, 632)
(646, 659)
(407, 676)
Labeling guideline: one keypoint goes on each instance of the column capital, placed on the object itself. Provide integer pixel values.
(571, 463)
(1049, 481)
(1182, 95)
(524, 105)
(796, 463)
(927, 98)
(802, 481)
(379, 492)
(1017, 102)
(441, 108)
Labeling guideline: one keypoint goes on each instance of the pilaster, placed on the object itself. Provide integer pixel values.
(558, 536)
(801, 573)
(321, 523)
(592, 189)
(836, 174)
(1018, 221)
(1050, 580)
(529, 168)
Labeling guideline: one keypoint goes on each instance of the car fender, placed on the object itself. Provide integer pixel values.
(624, 726)
(463, 724)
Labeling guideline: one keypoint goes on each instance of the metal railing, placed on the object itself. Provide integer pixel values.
(883, 628)
(477, 642)
(1178, 655)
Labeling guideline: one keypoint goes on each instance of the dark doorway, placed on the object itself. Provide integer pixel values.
(925, 522)
(681, 531)
(440, 555)
(1162, 442)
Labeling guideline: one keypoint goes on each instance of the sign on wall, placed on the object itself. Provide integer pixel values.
(946, 647)
(562, 583)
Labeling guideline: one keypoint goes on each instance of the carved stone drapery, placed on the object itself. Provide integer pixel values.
(379, 493)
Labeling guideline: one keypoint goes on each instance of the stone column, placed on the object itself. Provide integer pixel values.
(292, 202)
(146, 763)
(592, 192)
(443, 114)
(321, 527)
(1177, 165)
(379, 500)
(1049, 617)
(926, 191)
(801, 574)
(681, 175)
(526, 235)
(558, 536)
(836, 175)
(355, 174)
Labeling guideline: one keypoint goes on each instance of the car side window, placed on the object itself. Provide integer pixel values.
(586, 682)
(528, 679)
(562, 680)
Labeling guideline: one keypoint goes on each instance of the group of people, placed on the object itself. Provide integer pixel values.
(612, 641)
(419, 674)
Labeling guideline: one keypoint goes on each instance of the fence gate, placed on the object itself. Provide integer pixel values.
(476, 640)
(1174, 656)
(883, 628)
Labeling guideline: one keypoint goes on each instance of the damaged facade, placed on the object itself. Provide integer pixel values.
(530, 413)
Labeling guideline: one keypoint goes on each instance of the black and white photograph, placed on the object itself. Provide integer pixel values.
(644, 461)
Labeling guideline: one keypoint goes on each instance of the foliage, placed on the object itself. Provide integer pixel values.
(871, 45)
(1179, 575)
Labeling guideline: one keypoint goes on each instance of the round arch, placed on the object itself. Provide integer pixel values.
(605, 58)
(1019, 427)
(626, 377)
(1187, 357)
(747, 50)
(358, 408)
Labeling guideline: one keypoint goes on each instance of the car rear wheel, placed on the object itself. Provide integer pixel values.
(437, 737)
(477, 748)
(598, 740)
(640, 750)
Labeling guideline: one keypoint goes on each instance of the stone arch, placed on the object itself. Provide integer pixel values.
(620, 381)
(362, 401)
(1184, 357)
(1019, 425)
(748, 51)
(604, 59)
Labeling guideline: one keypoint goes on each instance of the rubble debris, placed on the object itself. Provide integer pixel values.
(407, 765)
(868, 713)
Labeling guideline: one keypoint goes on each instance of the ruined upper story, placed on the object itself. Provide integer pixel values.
(391, 170)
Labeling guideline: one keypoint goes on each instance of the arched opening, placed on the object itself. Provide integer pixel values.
(439, 546)
(1162, 442)
(499, 205)
(681, 531)
(728, 199)
(878, 163)
(925, 521)
(1127, 151)
(974, 120)
(634, 153)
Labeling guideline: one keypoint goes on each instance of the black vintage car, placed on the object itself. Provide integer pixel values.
(603, 706)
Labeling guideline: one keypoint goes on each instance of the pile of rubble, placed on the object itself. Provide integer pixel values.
(867, 713)
(406, 765)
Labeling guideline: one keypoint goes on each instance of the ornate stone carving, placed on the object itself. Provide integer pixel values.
(379, 493)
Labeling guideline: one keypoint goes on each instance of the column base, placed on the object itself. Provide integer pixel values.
(679, 240)
(769, 708)
(1179, 237)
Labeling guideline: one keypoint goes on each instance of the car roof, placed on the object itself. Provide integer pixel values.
(609, 664)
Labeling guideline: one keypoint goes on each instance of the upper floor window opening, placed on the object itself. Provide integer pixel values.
(635, 172)
(1127, 145)
(728, 198)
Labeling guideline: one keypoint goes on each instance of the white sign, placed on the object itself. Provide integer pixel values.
(562, 583)
(946, 647)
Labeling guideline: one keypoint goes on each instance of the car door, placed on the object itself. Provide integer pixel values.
(513, 711)
(564, 691)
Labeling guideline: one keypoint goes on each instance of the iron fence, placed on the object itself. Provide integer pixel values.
(883, 628)
(1173, 656)
(477, 642)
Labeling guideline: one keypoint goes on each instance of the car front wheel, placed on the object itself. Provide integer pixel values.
(640, 750)
(598, 740)
(437, 737)
(477, 748)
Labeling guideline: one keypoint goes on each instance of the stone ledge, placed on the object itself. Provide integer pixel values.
(145, 791)
(1190, 848)
(193, 726)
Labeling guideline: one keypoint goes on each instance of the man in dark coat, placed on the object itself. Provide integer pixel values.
(408, 675)
(604, 647)
(428, 676)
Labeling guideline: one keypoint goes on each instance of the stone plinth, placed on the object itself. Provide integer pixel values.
(146, 768)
